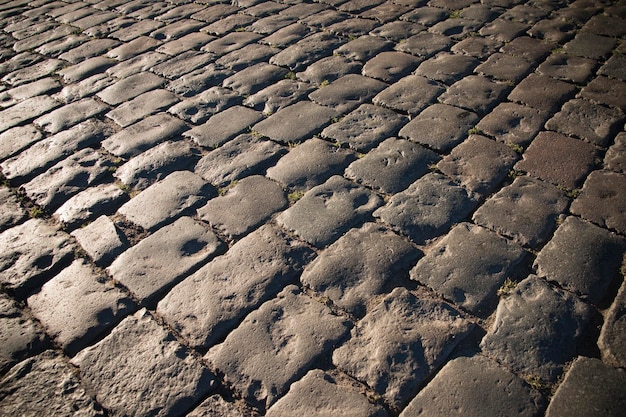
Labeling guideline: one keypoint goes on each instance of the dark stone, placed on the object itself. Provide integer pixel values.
(328, 69)
(347, 92)
(199, 108)
(223, 126)
(602, 200)
(410, 94)
(568, 68)
(589, 45)
(390, 66)
(612, 340)
(505, 67)
(476, 93)
(102, 240)
(306, 51)
(364, 48)
(542, 92)
(446, 67)
(424, 44)
(513, 123)
(278, 96)
(606, 91)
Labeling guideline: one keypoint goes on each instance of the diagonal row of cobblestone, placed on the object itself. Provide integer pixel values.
(335, 207)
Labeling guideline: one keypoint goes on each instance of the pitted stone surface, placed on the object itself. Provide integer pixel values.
(410, 94)
(347, 92)
(90, 203)
(359, 266)
(328, 69)
(26, 110)
(389, 66)
(45, 385)
(141, 106)
(199, 80)
(102, 240)
(505, 67)
(468, 266)
(589, 45)
(363, 48)
(308, 50)
(252, 79)
(513, 123)
(567, 67)
(79, 304)
(607, 91)
(245, 206)
(278, 96)
(130, 87)
(424, 44)
(531, 316)
(542, 92)
(476, 93)
(447, 68)
(420, 334)
(199, 108)
(325, 212)
(17, 139)
(224, 126)
(211, 302)
(129, 369)
(427, 208)
(175, 195)
(318, 394)
(276, 344)
(11, 213)
(602, 200)
(182, 64)
(612, 341)
(615, 157)
(70, 114)
(455, 386)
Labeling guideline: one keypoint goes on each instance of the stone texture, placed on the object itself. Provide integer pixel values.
(589, 45)
(446, 67)
(308, 50)
(130, 87)
(455, 386)
(419, 334)
(11, 212)
(328, 69)
(224, 126)
(607, 91)
(359, 266)
(276, 344)
(210, 303)
(612, 339)
(79, 304)
(254, 78)
(199, 108)
(89, 204)
(181, 64)
(26, 110)
(427, 208)
(70, 115)
(567, 67)
(363, 48)
(325, 212)
(175, 195)
(602, 201)
(424, 44)
(139, 368)
(505, 67)
(526, 211)
(278, 96)
(513, 123)
(530, 318)
(102, 240)
(390, 66)
(18, 138)
(476, 93)
(348, 92)
(199, 80)
(615, 157)
(216, 406)
(410, 94)
(141, 106)
(542, 92)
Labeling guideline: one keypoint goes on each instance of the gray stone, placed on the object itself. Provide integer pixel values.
(164, 258)
(285, 36)
(555, 29)
(359, 266)
(296, 123)
(36, 88)
(607, 91)
(455, 388)
(26, 110)
(130, 87)
(409, 95)
(276, 344)
(278, 96)
(568, 68)
(211, 302)
(365, 127)
(306, 51)
(199, 108)
(229, 23)
(615, 157)
(45, 385)
(392, 166)
(400, 343)
(440, 126)
(89, 49)
(390, 66)
(446, 67)
(79, 304)
(526, 210)
(216, 406)
(223, 126)
(89, 204)
(590, 388)
(479, 163)
(528, 48)
(135, 30)
(230, 42)
(18, 138)
(513, 123)
(347, 92)
(318, 394)
(590, 45)
(11, 212)
(33, 72)
(85, 69)
(612, 340)
(426, 15)
(523, 335)
(602, 200)
(101, 240)
(181, 36)
(503, 30)
(475, 93)
(129, 369)
(255, 78)
(424, 44)
(468, 266)
(141, 106)
(427, 208)
(199, 80)
(457, 28)
(352, 27)
(68, 177)
(325, 212)
(137, 65)
(245, 57)
(614, 67)
(33, 251)
(245, 206)
(214, 13)
(22, 336)
(133, 48)
(398, 30)
(87, 87)
(505, 67)
(176, 195)
(144, 135)
(542, 92)
(245, 155)
(363, 48)
(328, 69)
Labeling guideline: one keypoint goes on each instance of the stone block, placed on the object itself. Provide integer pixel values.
(26, 110)
(505, 67)
(425, 44)
(513, 123)
(601, 200)
(216, 406)
(606, 90)
(70, 115)
(590, 45)
(568, 68)
(182, 64)
(11, 211)
(141, 106)
(278, 96)
(102, 240)
(615, 157)
(310, 49)
(201, 107)
(409, 95)
(348, 92)
(476, 93)
(390, 66)
(199, 80)
(130, 87)
(612, 341)
(90, 203)
(542, 92)
(17, 139)
(328, 69)
(446, 67)
(252, 79)
(224, 126)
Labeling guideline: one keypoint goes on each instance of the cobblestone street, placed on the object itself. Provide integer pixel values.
(390, 208)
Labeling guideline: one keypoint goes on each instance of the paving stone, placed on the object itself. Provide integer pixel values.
(615, 157)
(358, 6)
(141, 106)
(587, 120)
(144, 135)
(505, 67)
(363, 48)
(276, 344)
(11, 212)
(400, 343)
(45, 385)
(18, 138)
(390, 66)
(347, 92)
(559, 159)
(589, 45)
(398, 30)
(425, 15)
(602, 201)
(133, 48)
(210, 303)
(101, 240)
(198, 109)
(255, 78)
(99, 23)
(352, 27)
(478, 164)
(440, 126)
(606, 91)
(135, 30)
(26, 110)
(36, 88)
(271, 24)
(179, 30)
(32, 252)
(36, 41)
(477, 46)
(70, 115)
(612, 338)
(22, 336)
(360, 266)
(589, 388)
(424, 44)
(199, 80)
(230, 23)
(247, 56)
(513, 123)
(192, 41)
(392, 166)
(503, 30)
(528, 48)
(90, 49)
(129, 369)
(325, 212)
(542, 92)
(319, 394)
(553, 29)
(79, 304)
(214, 13)
(176, 195)
(245, 206)
(286, 36)
(296, 123)
(605, 25)
(216, 406)
(568, 68)
(89, 204)
(526, 210)
(475, 93)
(87, 87)
(278, 96)
(468, 266)
(131, 87)
(163, 259)
(449, 391)
(245, 155)
(139, 64)
(224, 126)
(529, 318)
(614, 67)
(409, 95)
(307, 51)
(456, 28)
(85, 69)
(446, 67)
(230, 42)
(328, 69)
(180, 12)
